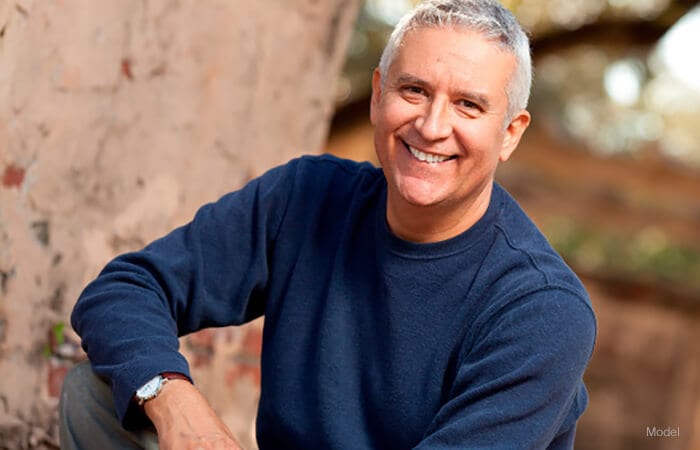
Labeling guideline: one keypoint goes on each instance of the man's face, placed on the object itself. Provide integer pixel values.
(439, 118)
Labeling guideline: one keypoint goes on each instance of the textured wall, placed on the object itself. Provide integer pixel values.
(118, 118)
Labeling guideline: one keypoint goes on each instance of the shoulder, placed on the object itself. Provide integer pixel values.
(329, 178)
(522, 270)
(309, 176)
(530, 294)
(522, 254)
(333, 168)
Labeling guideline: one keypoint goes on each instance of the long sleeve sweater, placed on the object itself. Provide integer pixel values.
(369, 341)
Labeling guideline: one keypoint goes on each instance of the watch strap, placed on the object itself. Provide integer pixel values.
(175, 376)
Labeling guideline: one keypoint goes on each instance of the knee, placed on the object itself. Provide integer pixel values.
(73, 380)
(85, 409)
(82, 391)
(77, 381)
(87, 418)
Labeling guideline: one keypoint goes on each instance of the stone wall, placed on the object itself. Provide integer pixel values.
(119, 118)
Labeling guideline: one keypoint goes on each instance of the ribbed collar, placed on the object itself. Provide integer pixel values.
(473, 236)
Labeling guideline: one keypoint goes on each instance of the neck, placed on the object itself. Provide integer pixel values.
(434, 223)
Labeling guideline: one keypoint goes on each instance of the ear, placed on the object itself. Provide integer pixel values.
(513, 133)
(376, 95)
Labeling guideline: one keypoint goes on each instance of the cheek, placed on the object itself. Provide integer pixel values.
(381, 144)
(384, 134)
(482, 142)
(393, 114)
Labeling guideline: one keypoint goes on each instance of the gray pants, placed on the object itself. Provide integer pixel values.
(87, 418)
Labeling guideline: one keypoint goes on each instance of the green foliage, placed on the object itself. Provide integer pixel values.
(648, 254)
(57, 338)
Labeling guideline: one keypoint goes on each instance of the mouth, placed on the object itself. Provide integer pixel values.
(429, 158)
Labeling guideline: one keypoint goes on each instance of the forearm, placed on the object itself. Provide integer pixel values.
(183, 417)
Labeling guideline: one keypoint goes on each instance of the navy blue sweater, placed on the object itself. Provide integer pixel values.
(369, 341)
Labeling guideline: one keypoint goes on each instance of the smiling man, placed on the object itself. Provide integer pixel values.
(413, 306)
(439, 111)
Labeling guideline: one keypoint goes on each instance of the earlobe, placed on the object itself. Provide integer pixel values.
(376, 95)
(513, 133)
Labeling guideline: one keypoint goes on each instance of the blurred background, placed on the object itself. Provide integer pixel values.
(610, 171)
(119, 118)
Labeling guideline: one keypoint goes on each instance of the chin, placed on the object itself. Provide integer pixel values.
(421, 198)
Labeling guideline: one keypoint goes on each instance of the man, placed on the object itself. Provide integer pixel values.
(414, 306)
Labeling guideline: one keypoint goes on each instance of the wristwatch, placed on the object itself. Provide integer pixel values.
(153, 386)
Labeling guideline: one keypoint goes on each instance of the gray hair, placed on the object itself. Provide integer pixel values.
(487, 17)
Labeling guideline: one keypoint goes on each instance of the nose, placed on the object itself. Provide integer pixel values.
(434, 123)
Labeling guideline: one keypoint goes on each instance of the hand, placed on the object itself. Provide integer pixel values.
(184, 420)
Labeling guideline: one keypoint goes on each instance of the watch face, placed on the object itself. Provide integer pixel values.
(150, 389)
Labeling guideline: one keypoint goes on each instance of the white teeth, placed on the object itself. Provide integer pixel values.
(427, 157)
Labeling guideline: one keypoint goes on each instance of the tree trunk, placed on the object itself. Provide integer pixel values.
(119, 118)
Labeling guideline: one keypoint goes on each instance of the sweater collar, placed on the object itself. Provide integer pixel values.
(477, 234)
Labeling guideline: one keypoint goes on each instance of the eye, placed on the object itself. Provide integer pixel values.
(468, 104)
(469, 108)
(413, 90)
(413, 93)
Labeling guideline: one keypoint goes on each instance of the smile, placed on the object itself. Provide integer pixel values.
(428, 157)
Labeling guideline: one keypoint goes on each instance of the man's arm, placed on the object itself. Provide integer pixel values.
(211, 272)
(519, 382)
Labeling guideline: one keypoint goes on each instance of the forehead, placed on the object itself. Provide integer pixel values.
(463, 56)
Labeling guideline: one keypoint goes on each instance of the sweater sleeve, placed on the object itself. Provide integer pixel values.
(211, 272)
(519, 380)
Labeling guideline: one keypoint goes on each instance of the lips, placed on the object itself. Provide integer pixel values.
(429, 158)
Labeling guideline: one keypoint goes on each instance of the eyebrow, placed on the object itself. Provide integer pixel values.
(405, 78)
